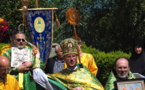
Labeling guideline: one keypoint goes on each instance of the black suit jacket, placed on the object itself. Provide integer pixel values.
(49, 65)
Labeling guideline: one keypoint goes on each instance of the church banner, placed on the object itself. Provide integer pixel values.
(40, 25)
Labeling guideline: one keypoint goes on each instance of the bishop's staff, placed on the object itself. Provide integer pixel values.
(25, 4)
(73, 17)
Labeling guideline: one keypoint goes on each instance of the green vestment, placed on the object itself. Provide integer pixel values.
(82, 77)
(110, 82)
(28, 82)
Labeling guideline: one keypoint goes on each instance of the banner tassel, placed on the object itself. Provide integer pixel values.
(57, 21)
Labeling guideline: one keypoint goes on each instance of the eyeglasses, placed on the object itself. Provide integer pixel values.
(3, 70)
(20, 40)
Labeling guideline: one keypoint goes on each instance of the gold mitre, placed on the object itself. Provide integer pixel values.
(68, 46)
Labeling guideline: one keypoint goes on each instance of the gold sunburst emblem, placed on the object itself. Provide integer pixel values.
(73, 16)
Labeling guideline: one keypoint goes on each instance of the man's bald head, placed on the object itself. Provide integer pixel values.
(4, 61)
(122, 67)
(4, 67)
(121, 59)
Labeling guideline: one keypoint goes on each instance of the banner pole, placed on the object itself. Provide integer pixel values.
(76, 38)
(36, 3)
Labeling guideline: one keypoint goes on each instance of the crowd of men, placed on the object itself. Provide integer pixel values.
(22, 69)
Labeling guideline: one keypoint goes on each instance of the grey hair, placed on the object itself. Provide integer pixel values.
(56, 48)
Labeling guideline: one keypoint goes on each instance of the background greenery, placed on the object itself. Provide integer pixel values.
(107, 26)
(104, 61)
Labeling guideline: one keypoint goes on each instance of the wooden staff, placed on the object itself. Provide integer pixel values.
(36, 3)
(73, 17)
(76, 38)
(25, 4)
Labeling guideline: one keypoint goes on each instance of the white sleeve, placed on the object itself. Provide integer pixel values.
(40, 77)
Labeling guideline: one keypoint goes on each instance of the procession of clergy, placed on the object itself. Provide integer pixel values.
(22, 69)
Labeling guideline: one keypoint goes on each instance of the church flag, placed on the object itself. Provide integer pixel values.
(40, 25)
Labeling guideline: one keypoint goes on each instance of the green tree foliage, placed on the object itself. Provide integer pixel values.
(104, 61)
(9, 10)
(106, 24)
(124, 22)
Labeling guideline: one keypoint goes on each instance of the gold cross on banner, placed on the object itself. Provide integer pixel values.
(40, 37)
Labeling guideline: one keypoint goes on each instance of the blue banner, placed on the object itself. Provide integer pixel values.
(40, 25)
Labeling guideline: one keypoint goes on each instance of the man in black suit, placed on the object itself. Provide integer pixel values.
(55, 64)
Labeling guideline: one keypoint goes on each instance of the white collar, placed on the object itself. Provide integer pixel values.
(73, 69)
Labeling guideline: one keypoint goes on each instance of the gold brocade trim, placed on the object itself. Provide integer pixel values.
(40, 9)
(68, 84)
(21, 80)
(36, 63)
(78, 79)
(5, 48)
